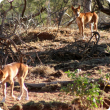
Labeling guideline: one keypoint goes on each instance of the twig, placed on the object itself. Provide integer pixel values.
(30, 47)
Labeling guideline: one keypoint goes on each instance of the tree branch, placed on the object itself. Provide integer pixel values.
(24, 8)
(34, 15)
(101, 8)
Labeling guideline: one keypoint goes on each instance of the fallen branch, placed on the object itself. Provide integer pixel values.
(71, 21)
(63, 83)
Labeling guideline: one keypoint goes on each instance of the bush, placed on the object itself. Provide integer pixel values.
(86, 89)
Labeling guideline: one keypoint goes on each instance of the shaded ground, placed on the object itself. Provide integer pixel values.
(61, 51)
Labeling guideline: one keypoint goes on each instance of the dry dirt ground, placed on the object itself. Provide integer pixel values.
(59, 50)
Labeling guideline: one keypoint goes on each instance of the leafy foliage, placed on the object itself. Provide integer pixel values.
(87, 90)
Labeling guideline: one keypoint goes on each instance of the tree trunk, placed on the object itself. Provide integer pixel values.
(87, 5)
(101, 8)
(109, 3)
(49, 15)
(87, 8)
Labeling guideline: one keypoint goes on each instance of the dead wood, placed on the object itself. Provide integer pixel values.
(101, 8)
(97, 36)
(64, 83)
(101, 82)
(70, 22)
(6, 44)
(6, 41)
(33, 15)
(3, 15)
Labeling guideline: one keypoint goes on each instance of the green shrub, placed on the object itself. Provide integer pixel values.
(86, 89)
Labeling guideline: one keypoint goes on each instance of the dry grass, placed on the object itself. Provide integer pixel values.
(43, 70)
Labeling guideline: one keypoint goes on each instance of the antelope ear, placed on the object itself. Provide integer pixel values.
(72, 7)
(79, 7)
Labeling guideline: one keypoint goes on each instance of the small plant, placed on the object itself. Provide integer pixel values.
(108, 48)
(100, 71)
(87, 90)
(107, 77)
